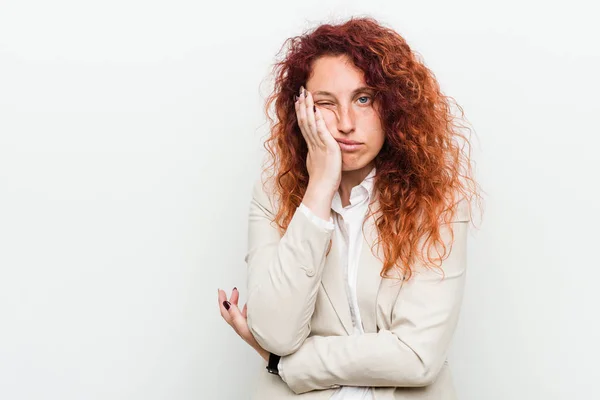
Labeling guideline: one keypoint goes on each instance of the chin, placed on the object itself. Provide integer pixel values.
(355, 161)
(353, 165)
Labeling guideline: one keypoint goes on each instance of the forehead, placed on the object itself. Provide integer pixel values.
(335, 74)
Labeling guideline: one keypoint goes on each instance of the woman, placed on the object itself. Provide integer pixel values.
(357, 242)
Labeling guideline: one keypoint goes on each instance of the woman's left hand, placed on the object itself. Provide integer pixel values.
(237, 320)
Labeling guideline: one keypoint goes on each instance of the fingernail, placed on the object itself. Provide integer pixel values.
(314, 108)
(295, 98)
(234, 288)
(226, 304)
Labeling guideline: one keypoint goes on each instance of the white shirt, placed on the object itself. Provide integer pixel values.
(347, 223)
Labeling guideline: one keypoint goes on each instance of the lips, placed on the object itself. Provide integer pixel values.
(346, 141)
(348, 148)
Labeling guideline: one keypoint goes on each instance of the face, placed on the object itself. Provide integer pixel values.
(339, 91)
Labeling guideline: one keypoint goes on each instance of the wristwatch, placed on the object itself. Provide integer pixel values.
(273, 362)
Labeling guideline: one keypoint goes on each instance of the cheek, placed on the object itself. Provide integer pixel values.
(378, 140)
(376, 136)
(374, 146)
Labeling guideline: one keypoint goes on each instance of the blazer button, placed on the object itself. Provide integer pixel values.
(310, 271)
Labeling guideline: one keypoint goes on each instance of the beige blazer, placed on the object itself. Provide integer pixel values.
(297, 308)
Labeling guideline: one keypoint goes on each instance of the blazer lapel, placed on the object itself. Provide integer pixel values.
(368, 276)
(333, 281)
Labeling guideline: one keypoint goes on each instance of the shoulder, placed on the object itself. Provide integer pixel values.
(263, 193)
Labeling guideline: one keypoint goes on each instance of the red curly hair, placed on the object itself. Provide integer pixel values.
(421, 164)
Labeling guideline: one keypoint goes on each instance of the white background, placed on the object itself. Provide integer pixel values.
(131, 133)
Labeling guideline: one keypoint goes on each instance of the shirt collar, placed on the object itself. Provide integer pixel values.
(358, 193)
(367, 183)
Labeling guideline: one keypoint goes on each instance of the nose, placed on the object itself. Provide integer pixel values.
(345, 119)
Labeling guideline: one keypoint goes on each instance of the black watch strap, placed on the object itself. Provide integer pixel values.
(273, 362)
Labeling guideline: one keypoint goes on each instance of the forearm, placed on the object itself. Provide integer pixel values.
(372, 359)
(280, 272)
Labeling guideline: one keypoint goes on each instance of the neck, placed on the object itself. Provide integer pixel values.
(351, 179)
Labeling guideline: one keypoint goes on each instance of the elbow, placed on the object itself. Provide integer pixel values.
(281, 347)
(274, 337)
(414, 364)
(414, 369)
(425, 379)
(427, 375)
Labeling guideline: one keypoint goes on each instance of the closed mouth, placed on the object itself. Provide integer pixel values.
(349, 142)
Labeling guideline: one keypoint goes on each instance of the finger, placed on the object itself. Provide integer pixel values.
(224, 312)
(322, 130)
(307, 139)
(237, 320)
(301, 115)
(310, 115)
(235, 295)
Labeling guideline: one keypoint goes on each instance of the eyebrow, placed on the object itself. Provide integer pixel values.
(360, 89)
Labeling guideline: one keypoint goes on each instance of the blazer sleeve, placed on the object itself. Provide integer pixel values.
(410, 353)
(284, 274)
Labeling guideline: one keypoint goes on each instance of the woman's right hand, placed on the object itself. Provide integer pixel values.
(324, 159)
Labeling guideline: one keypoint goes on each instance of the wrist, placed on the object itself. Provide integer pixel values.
(273, 364)
(318, 199)
(320, 190)
(264, 354)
